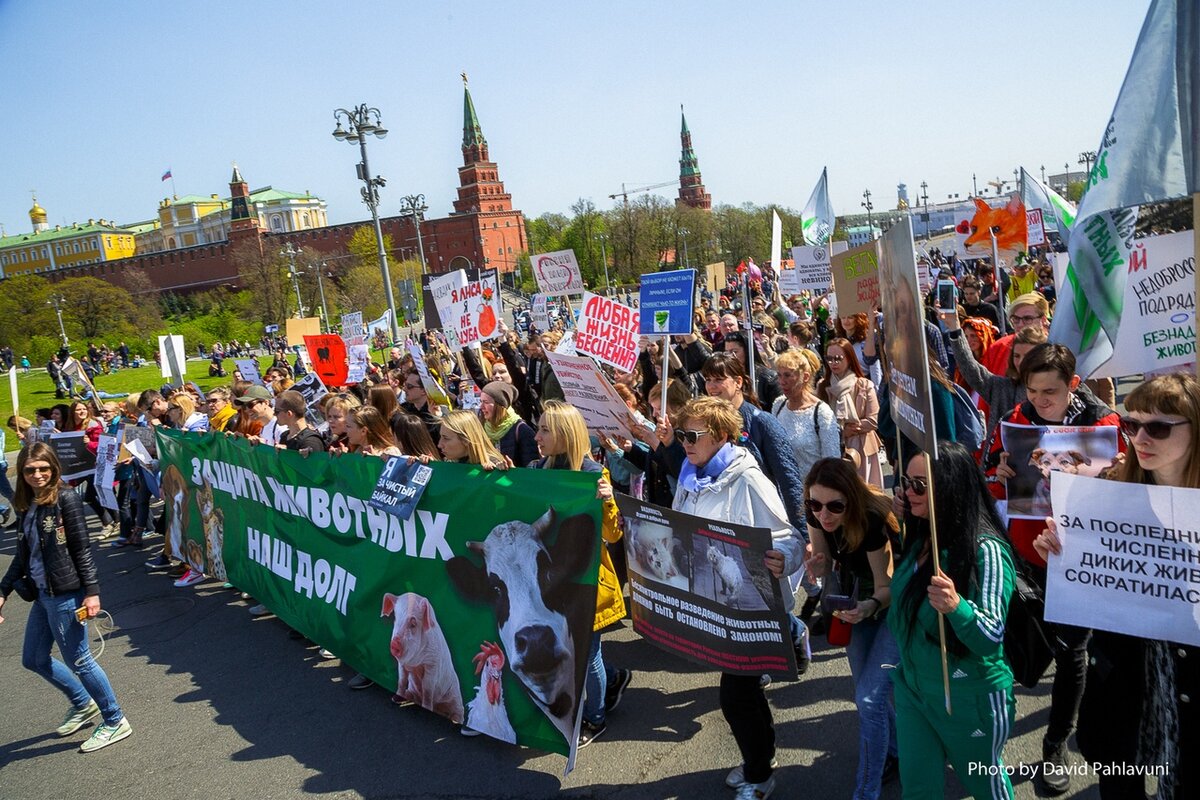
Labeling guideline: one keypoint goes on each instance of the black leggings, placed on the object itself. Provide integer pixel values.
(744, 704)
(1070, 670)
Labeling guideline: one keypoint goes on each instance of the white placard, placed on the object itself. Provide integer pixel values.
(557, 273)
(173, 361)
(249, 369)
(812, 270)
(1035, 227)
(538, 312)
(608, 332)
(586, 388)
(12, 387)
(352, 325)
(106, 470)
(566, 345)
(1130, 556)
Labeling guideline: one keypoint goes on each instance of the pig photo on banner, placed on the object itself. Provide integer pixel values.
(700, 590)
(437, 608)
(1034, 452)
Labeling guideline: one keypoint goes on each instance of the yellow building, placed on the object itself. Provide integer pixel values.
(196, 220)
(48, 249)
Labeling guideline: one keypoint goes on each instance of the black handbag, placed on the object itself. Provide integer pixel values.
(1028, 650)
(25, 589)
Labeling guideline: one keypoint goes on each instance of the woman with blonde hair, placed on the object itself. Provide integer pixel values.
(467, 443)
(562, 439)
(337, 409)
(181, 411)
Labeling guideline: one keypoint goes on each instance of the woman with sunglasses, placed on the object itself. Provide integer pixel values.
(971, 590)
(722, 482)
(854, 401)
(53, 569)
(1053, 397)
(850, 530)
(1140, 704)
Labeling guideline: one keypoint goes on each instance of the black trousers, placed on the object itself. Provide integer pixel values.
(1070, 670)
(744, 704)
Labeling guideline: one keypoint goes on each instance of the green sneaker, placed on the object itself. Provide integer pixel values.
(77, 718)
(104, 735)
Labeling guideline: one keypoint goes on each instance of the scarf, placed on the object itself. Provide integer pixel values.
(1158, 736)
(497, 432)
(695, 479)
(841, 395)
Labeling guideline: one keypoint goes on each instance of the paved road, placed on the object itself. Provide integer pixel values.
(227, 706)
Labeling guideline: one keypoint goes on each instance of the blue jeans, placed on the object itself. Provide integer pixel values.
(595, 683)
(6, 490)
(871, 648)
(52, 619)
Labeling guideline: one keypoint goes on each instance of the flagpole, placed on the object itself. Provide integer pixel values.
(1195, 252)
(173, 192)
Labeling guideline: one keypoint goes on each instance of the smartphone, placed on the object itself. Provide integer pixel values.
(81, 614)
(945, 295)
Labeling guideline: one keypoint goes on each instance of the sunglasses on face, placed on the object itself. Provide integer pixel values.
(834, 359)
(35, 470)
(834, 506)
(1155, 428)
(917, 486)
(691, 437)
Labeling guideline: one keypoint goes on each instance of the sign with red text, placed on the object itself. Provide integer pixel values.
(1035, 227)
(586, 388)
(557, 272)
(608, 332)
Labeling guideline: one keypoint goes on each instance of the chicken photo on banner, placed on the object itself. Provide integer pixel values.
(328, 354)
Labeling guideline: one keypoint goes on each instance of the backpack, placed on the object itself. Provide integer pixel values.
(969, 430)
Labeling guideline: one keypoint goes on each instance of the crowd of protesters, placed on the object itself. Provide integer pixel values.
(803, 448)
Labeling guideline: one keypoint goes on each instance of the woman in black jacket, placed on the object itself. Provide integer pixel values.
(511, 435)
(53, 569)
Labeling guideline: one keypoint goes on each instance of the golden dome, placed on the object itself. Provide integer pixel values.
(37, 214)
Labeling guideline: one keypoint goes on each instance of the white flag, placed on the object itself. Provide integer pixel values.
(817, 218)
(1149, 153)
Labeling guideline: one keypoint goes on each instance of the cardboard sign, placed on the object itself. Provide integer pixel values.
(400, 487)
(173, 360)
(714, 277)
(586, 388)
(297, 329)
(856, 279)
(812, 270)
(73, 456)
(433, 390)
(328, 354)
(665, 302)
(129, 433)
(249, 369)
(557, 273)
(1140, 584)
(1035, 227)
(608, 332)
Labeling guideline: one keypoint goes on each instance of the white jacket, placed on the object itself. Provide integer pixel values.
(743, 495)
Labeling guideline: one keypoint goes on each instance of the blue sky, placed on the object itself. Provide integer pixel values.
(574, 99)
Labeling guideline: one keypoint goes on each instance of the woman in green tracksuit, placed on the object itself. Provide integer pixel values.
(972, 590)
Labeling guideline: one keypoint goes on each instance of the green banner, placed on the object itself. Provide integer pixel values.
(479, 607)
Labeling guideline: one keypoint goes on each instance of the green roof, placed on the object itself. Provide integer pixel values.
(67, 232)
(263, 195)
(472, 132)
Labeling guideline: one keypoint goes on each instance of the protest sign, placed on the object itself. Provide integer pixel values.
(440, 289)
(328, 354)
(557, 273)
(665, 302)
(608, 332)
(249, 369)
(107, 451)
(400, 486)
(74, 370)
(360, 360)
(856, 279)
(1035, 452)
(811, 271)
(311, 389)
(173, 360)
(586, 388)
(433, 389)
(1129, 556)
(1158, 330)
(699, 589)
(128, 432)
(714, 277)
(379, 331)
(297, 329)
(471, 309)
(73, 456)
(470, 397)
(538, 313)
(352, 326)
(1035, 228)
(299, 535)
(904, 337)
(12, 388)
(566, 345)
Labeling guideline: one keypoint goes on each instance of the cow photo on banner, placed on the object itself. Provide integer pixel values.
(700, 590)
(449, 608)
(1035, 452)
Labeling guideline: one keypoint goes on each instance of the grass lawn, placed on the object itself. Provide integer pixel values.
(36, 390)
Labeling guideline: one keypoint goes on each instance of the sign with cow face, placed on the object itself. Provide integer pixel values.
(328, 354)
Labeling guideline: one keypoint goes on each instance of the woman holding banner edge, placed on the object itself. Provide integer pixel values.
(1157, 724)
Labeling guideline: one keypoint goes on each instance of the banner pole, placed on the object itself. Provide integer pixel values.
(1195, 253)
(937, 568)
(666, 376)
(749, 325)
(999, 282)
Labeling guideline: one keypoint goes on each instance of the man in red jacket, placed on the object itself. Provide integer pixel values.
(1048, 374)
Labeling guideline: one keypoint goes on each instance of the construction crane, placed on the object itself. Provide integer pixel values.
(624, 193)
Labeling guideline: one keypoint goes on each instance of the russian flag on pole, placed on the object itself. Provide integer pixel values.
(1150, 152)
(166, 175)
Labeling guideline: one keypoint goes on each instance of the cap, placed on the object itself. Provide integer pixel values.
(253, 394)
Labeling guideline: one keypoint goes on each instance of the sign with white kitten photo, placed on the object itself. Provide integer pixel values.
(699, 589)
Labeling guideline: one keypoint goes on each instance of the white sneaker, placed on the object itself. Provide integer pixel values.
(104, 735)
(189, 578)
(756, 791)
(737, 775)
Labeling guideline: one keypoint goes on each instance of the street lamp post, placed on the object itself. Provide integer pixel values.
(363, 121)
(925, 200)
(414, 205)
(291, 254)
(866, 203)
(974, 186)
(604, 260)
(57, 300)
(683, 232)
(1043, 174)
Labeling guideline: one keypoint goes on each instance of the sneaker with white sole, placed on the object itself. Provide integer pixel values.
(755, 791)
(259, 610)
(160, 561)
(78, 717)
(189, 578)
(737, 775)
(616, 689)
(105, 734)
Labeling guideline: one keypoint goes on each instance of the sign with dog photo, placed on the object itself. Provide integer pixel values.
(1034, 452)
(699, 589)
(449, 609)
